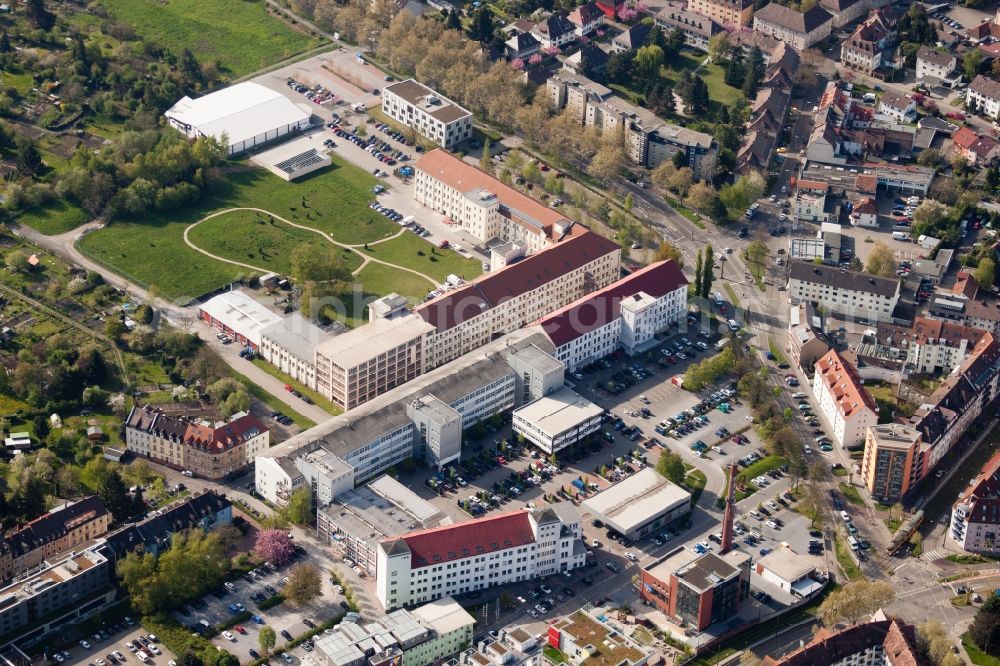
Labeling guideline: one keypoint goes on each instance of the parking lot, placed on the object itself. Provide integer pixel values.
(111, 646)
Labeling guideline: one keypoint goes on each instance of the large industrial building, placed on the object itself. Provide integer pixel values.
(247, 114)
(426, 565)
(639, 505)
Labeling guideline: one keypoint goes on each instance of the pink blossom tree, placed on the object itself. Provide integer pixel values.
(535, 59)
(518, 64)
(551, 50)
(627, 13)
(274, 546)
(601, 32)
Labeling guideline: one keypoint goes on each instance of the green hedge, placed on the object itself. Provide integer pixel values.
(239, 618)
(271, 602)
(179, 639)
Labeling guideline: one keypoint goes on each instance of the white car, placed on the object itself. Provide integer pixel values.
(229, 636)
(131, 648)
(718, 449)
(155, 650)
(85, 645)
(773, 507)
(632, 557)
(773, 525)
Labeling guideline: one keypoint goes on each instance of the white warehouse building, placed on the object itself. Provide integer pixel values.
(625, 315)
(425, 565)
(248, 114)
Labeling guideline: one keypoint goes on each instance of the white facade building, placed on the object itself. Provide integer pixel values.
(625, 315)
(934, 64)
(290, 346)
(984, 97)
(433, 116)
(557, 420)
(477, 554)
(247, 113)
(849, 293)
(843, 400)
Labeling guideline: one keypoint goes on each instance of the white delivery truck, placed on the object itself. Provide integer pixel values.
(900, 235)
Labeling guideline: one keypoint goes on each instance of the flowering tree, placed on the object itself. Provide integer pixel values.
(535, 59)
(641, 7)
(274, 546)
(551, 50)
(601, 32)
(518, 64)
(627, 13)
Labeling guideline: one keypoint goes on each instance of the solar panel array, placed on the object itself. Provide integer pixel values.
(300, 161)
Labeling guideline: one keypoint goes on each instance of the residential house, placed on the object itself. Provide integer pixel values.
(878, 641)
(900, 107)
(522, 45)
(590, 60)
(554, 30)
(586, 19)
(980, 150)
(697, 28)
(975, 516)
(206, 510)
(865, 213)
(845, 12)
(736, 13)
(812, 202)
(848, 293)
(869, 48)
(768, 110)
(934, 65)
(630, 39)
(984, 97)
(806, 340)
(799, 29)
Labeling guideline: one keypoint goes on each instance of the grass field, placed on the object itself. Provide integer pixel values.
(845, 559)
(55, 217)
(379, 280)
(719, 92)
(320, 401)
(151, 251)
(852, 494)
(414, 252)
(239, 34)
(977, 656)
(249, 237)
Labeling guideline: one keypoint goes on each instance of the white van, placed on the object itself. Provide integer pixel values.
(733, 326)
(854, 543)
(142, 656)
(900, 235)
(846, 517)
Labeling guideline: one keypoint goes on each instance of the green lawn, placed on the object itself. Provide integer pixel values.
(151, 250)
(719, 92)
(762, 466)
(320, 401)
(977, 656)
(846, 560)
(379, 280)
(775, 351)
(695, 482)
(55, 217)
(249, 237)
(852, 494)
(414, 252)
(239, 34)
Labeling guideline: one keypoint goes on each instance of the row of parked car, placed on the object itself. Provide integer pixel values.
(385, 211)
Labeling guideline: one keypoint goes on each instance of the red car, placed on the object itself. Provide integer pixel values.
(239, 629)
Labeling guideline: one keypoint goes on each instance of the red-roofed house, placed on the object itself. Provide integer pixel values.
(865, 213)
(843, 400)
(979, 150)
(625, 315)
(975, 516)
(425, 565)
(586, 19)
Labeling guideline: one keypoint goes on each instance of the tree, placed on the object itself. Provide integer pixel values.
(41, 425)
(114, 494)
(189, 658)
(985, 628)
(882, 261)
(668, 252)
(719, 47)
(681, 180)
(971, 62)
(532, 172)
(934, 642)
(648, 60)
(482, 28)
(274, 545)
(701, 196)
(928, 216)
(734, 73)
(671, 467)
(266, 639)
(699, 268)
(304, 584)
(696, 99)
(454, 21)
(299, 508)
(27, 159)
(930, 157)
(17, 261)
(485, 162)
(609, 161)
(707, 274)
(40, 17)
(854, 601)
(986, 273)
(235, 402)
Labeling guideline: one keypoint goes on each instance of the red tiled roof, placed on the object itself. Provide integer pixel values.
(966, 285)
(491, 289)
(964, 138)
(604, 306)
(844, 383)
(468, 539)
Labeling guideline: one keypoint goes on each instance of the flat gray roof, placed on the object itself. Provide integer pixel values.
(635, 501)
(559, 411)
(297, 335)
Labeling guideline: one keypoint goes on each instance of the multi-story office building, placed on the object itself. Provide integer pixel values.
(366, 441)
(891, 463)
(210, 450)
(625, 315)
(425, 565)
(966, 392)
(557, 420)
(845, 404)
(799, 29)
(357, 520)
(698, 590)
(590, 640)
(433, 116)
(290, 346)
(975, 516)
(878, 642)
(648, 140)
(67, 590)
(484, 206)
(501, 302)
(725, 12)
(355, 367)
(848, 293)
(418, 637)
(984, 97)
(53, 533)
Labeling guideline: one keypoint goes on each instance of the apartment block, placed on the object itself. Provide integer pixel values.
(848, 293)
(51, 534)
(724, 12)
(208, 449)
(975, 516)
(425, 635)
(433, 116)
(466, 318)
(928, 346)
(697, 590)
(847, 407)
(625, 315)
(364, 442)
(799, 29)
(426, 565)
(984, 97)
(648, 140)
(698, 28)
(881, 640)
(935, 65)
(362, 364)
(892, 460)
